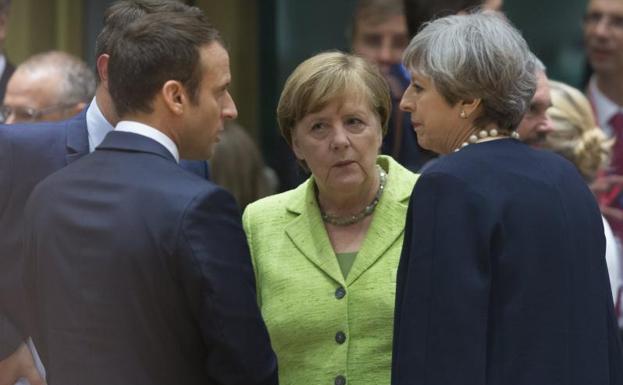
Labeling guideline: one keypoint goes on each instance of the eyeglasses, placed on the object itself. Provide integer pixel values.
(28, 114)
(592, 19)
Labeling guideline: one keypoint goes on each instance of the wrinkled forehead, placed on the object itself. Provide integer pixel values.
(349, 92)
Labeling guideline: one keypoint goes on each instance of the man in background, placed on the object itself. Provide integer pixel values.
(6, 68)
(536, 124)
(49, 86)
(603, 38)
(379, 35)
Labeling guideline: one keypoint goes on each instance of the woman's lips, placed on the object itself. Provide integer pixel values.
(344, 163)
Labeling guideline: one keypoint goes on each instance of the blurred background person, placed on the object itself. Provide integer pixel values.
(379, 34)
(237, 165)
(603, 38)
(502, 278)
(576, 137)
(419, 12)
(51, 86)
(325, 254)
(536, 123)
(6, 67)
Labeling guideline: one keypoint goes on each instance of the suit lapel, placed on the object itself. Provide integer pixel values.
(308, 233)
(77, 137)
(388, 223)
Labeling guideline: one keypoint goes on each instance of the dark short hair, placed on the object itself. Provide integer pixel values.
(123, 13)
(419, 12)
(374, 12)
(157, 48)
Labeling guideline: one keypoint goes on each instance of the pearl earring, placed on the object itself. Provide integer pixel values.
(463, 115)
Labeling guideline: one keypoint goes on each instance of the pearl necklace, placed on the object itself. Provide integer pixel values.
(483, 135)
(351, 219)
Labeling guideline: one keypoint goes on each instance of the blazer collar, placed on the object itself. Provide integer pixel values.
(308, 233)
(77, 137)
(128, 141)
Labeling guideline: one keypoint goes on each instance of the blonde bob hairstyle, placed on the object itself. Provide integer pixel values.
(576, 136)
(328, 77)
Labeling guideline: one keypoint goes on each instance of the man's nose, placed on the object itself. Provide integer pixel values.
(547, 125)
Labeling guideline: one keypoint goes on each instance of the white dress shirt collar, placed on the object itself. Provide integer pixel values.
(603, 106)
(2, 63)
(150, 132)
(97, 125)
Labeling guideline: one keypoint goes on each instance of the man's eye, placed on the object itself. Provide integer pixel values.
(372, 40)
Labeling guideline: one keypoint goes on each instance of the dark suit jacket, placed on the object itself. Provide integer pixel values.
(140, 274)
(28, 154)
(502, 278)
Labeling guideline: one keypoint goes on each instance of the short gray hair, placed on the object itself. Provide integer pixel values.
(77, 79)
(477, 56)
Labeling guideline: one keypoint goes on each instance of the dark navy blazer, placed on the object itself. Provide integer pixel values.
(502, 278)
(28, 154)
(140, 273)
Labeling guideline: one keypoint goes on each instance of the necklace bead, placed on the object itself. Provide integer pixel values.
(369, 209)
(483, 134)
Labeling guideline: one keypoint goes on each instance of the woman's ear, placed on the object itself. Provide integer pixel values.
(469, 107)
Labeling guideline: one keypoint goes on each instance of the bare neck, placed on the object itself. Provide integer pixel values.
(104, 103)
(349, 202)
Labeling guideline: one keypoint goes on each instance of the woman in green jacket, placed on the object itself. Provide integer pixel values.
(326, 253)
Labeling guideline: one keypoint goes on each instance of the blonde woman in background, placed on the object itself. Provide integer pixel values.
(577, 138)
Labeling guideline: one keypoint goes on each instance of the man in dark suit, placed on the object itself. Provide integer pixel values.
(31, 152)
(140, 272)
(6, 67)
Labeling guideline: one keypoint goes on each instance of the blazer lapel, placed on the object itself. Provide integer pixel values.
(77, 137)
(387, 225)
(308, 233)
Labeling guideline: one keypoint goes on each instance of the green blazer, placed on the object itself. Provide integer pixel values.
(321, 325)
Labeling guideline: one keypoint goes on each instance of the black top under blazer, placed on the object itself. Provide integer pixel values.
(502, 278)
(139, 273)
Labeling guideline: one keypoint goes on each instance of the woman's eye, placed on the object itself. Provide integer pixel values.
(354, 121)
(317, 126)
(417, 87)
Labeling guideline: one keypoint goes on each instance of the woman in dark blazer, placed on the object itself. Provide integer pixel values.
(502, 277)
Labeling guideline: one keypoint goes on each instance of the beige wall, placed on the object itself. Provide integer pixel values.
(237, 21)
(37, 26)
(41, 25)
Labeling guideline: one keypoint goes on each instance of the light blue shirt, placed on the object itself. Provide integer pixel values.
(97, 125)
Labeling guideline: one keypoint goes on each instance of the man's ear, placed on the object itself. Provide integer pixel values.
(174, 96)
(102, 68)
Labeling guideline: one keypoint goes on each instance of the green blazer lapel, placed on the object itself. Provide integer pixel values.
(389, 218)
(308, 233)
